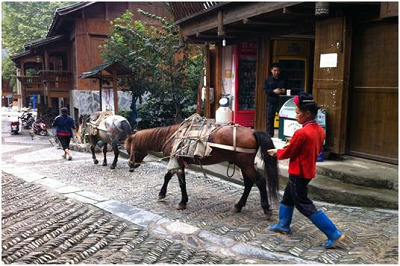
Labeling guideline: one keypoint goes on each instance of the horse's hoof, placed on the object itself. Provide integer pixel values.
(160, 197)
(268, 214)
(237, 209)
(112, 167)
(181, 207)
(95, 161)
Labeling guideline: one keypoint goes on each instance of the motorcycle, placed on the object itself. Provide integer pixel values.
(39, 127)
(15, 126)
(27, 120)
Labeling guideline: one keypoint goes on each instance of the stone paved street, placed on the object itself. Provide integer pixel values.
(58, 211)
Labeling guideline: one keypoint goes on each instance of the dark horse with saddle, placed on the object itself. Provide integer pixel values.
(197, 141)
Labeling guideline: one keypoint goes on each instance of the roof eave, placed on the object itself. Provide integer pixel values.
(19, 55)
(64, 11)
(200, 13)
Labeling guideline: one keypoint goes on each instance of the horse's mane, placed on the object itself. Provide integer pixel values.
(153, 139)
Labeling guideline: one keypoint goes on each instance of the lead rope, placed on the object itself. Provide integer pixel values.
(227, 170)
(202, 169)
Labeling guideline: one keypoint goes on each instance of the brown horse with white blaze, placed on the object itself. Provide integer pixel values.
(161, 140)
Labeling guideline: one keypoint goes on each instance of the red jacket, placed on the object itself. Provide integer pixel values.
(303, 150)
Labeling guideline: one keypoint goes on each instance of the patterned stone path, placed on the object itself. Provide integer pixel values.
(43, 227)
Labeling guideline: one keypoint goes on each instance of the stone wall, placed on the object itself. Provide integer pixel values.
(88, 102)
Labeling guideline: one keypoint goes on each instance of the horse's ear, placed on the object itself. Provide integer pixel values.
(80, 119)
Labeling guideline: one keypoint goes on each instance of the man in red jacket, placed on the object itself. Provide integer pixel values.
(303, 151)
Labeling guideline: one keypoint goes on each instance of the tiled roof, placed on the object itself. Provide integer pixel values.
(94, 72)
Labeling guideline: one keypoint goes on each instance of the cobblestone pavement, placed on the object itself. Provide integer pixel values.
(93, 214)
(44, 227)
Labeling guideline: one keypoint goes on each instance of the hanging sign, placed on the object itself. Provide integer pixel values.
(107, 101)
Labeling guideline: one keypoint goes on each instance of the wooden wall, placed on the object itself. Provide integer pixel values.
(374, 92)
(90, 34)
(330, 84)
(92, 29)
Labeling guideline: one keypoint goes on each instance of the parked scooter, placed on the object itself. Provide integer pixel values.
(15, 126)
(27, 120)
(39, 127)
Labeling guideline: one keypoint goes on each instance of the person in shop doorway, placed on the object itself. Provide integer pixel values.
(64, 125)
(274, 86)
(303, 150)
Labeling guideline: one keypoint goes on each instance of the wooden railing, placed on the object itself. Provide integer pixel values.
(29, 80)
(58, 79)
(31, 83)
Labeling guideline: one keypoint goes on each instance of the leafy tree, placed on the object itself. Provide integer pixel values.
(23, 22)
(9, 72)
(165, 74)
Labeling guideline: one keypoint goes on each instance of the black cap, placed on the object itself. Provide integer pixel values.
(64, 110)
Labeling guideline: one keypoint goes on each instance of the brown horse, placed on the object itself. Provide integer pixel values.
(161, 140)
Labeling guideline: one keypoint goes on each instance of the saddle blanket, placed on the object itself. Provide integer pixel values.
(191, 140)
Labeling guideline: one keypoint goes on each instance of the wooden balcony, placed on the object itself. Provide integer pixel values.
(32, 84)
(57, 80)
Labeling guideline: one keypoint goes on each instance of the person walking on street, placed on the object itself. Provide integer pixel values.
(274, 85)
(64, 125)
(303, 149)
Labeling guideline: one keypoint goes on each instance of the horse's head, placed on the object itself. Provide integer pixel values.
(81, 127)
(135, 156)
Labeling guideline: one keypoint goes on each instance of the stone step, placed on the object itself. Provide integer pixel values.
(374, 178)
(332, 190)
(358, 172)
(355, 170)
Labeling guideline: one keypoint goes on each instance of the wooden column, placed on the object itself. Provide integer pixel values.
(21, 101)
(263, 56)
(218, 78)
(100, 94)
(46, 84)
(115, 90)
(221, 29)
(207, 109)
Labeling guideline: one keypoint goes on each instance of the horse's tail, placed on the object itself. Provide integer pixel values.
(128, 142)
(264, 141)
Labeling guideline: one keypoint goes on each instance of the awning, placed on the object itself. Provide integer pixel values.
(96, 72)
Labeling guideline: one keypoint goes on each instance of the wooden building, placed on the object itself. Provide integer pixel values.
(50, 67)
(344, 53)
(7, 95)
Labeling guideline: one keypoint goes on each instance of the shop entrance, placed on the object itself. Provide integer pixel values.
(295, 57)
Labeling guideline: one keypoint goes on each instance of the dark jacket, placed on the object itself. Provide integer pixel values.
(64, 125)
(271, 84)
